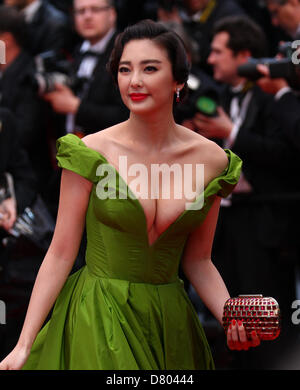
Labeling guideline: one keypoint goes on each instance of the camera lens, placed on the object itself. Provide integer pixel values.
(206, 105)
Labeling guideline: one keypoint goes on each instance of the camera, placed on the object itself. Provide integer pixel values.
(207, 104)
(50, 70)
(34, 224)
(204, 98)
(285, 67)
(22, 227)
(5, 192)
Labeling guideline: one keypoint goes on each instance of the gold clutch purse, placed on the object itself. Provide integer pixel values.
(258, 313)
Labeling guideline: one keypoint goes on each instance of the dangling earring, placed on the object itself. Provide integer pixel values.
(177, 95)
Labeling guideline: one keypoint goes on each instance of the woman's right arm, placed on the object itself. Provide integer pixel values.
(57, 264)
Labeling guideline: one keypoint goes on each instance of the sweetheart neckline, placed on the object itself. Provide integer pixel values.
(134, 198)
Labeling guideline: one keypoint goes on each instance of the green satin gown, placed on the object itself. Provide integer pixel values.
(126, 309)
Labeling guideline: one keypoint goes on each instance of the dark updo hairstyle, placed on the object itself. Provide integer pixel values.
(159, 34)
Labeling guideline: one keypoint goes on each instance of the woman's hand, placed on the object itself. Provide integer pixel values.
(16, 359)
(237, 337)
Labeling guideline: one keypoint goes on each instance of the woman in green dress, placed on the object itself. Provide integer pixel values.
(127, 308)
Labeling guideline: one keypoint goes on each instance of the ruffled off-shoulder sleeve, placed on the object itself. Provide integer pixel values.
(224, 184)
(74, 155)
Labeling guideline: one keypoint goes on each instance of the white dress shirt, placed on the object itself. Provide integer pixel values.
(238, 112)
(30, 10)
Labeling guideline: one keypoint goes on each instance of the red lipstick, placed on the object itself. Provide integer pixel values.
(137, 97)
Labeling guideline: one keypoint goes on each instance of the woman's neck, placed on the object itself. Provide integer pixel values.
(156, 132)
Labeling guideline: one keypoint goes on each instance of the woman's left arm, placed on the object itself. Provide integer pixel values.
(199, 268)
(206, 280)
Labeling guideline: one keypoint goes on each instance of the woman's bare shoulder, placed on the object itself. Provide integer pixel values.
(215, 156)
(207, 152)
(101, 139)
(210, 152)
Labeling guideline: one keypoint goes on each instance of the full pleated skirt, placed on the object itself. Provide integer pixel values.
(110, 324)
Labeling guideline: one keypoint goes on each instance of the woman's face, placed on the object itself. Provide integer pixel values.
(145, 77)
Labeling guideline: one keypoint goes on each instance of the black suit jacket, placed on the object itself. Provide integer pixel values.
(270, 165)
(101, 106)
(202, 31)
(287, 113)
(261, 144)
(14, 160)
(49, 30)
(20, 97)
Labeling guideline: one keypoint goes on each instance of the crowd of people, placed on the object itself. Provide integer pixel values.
(55, 81)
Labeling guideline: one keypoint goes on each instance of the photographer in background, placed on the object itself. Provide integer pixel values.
(286, 15)
(14, 160)
(286, 109)
(251, 247)
(17, 262)
(47, 27)
(19, 95)
(94, 103)
(198, 18)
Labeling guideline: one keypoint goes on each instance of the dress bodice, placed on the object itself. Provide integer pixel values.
(116, 227)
